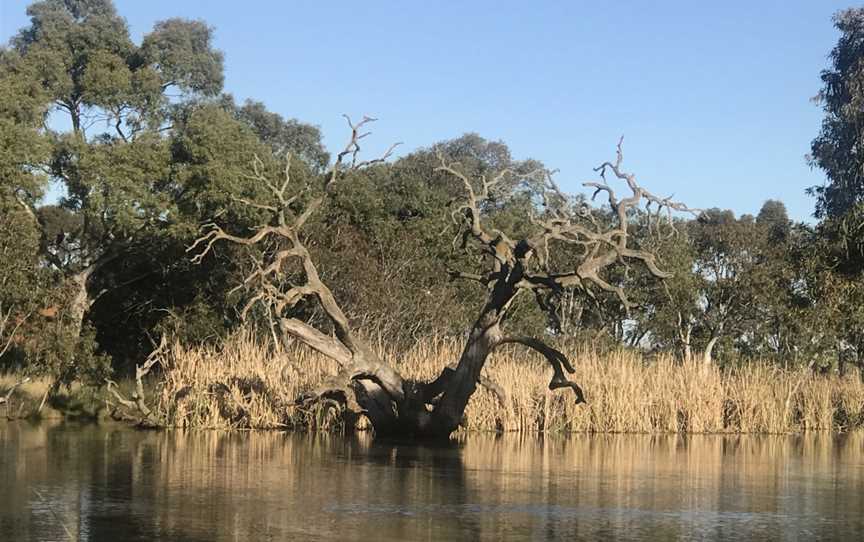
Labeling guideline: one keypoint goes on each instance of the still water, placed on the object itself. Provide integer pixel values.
(62, 481)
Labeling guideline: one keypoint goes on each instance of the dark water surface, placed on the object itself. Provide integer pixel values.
(61, 481)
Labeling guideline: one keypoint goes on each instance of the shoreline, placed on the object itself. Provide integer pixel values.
(244, 385)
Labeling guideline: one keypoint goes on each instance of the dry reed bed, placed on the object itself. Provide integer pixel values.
(245, 385)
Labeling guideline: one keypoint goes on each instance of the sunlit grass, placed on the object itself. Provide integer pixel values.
(243, 384)
(74, 401)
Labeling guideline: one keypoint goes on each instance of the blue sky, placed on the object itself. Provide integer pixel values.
(713, 98)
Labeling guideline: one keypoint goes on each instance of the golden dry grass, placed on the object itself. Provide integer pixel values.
(33, 387)
(25, 399)
(243, 385)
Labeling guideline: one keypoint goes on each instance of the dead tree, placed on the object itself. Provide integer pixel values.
(367, 385)
(136, 407)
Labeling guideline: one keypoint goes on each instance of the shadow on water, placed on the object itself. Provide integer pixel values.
(112, 483)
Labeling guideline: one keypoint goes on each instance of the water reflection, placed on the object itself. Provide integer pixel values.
(101, 483)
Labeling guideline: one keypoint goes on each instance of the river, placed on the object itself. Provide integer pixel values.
(62, 481)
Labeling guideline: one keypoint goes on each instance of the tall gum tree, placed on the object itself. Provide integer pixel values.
(511, 266)
(22, 143)
(840, 200)
(106, 104)
(837, 148)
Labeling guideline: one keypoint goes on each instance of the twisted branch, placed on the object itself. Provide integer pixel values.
(556, 359)
(138, 400)
(601, 247)
(599, 244)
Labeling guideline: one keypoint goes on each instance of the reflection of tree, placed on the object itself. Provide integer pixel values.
(429, 487)
(116, 484)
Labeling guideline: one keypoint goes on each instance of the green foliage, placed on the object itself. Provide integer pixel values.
(22, 107)
(843, 238)
(842, 97)
(283, 136)
(45, 346)
(19, 244)
(77, 58)
(212, 153)
(775, 218)
(384, 254)
(183, 55)
(669, 309)
(836, 267)
(21, 280)
(68, 356)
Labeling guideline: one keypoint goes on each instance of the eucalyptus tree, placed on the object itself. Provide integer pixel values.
(836, 150)
(727, 275)
(731, 260)
(210, 144)
(105, 104)
(840, 200)
(842, 98)
(776, 332)
(22, 143)
(670, 311)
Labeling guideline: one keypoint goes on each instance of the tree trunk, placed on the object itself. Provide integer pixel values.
(688, 349)
(707, 359)
(485, 336)
(82, 300)
(685, 333)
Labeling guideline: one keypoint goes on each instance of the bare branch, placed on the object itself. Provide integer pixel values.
(638, 193)
(255, 205)
(383, 158)
(266, 282)
(138, 400)
(601, 246)
(455, 274)
(352, 149)
(470, 207)
(216, 233)
(556, 359)
(24, 205)
(316, 340)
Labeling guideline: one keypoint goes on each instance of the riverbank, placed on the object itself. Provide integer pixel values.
(245, 385)
(21, 398)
